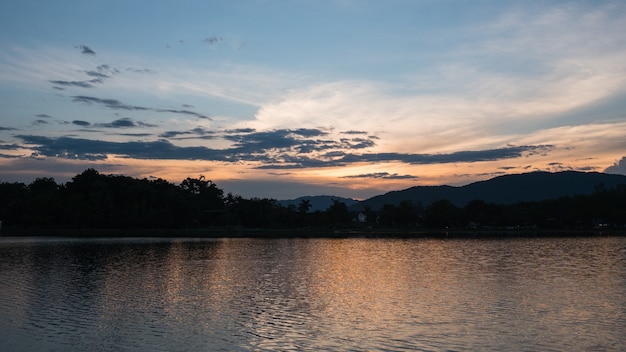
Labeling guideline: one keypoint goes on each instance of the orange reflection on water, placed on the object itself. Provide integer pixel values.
(325, 294)
(357, 289)
(342, 293)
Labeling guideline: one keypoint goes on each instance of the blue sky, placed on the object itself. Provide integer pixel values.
(289, 98)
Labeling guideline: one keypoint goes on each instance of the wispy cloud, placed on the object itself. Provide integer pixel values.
(119, 123)
(184, 112)
(96, 74)
(136, 134)
(80, 84)
(383, 175)
(109, 103)
(103, 72)
(86, 50)
(118, 105)
(125, 122)
(244, 84)
(195, 133)
(514, 72)
(142, 70)
(213, 40)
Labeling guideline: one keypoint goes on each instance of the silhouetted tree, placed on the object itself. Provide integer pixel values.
(303, 212)
(338, 213)
(387, 215)
(442, 213)
(43, 202)
(304, 206)
(204, 201)
(259, 212)
(12, 203)
(406, 213)
(90, 202)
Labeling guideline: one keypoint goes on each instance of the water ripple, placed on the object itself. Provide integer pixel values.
(312, 294)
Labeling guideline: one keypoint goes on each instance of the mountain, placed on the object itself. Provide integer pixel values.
(507, 189)
(320, 203)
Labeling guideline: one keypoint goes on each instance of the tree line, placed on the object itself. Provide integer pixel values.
(92, 200)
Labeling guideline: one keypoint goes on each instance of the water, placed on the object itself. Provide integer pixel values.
(312, 294)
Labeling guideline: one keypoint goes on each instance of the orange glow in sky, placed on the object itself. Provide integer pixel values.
(352, 99)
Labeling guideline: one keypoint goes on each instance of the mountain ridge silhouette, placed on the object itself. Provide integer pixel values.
(505, 189)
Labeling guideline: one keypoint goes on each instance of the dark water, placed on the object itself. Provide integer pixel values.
(312, 294)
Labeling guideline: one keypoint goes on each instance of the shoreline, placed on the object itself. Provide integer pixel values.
(233, 232)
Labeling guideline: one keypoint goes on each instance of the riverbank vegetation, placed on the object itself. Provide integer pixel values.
(92, 200)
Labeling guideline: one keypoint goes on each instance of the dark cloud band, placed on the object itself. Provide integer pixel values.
(275, 149)
(383, 175)
(81, 84)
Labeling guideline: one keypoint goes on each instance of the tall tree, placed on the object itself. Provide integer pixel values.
(338, 213)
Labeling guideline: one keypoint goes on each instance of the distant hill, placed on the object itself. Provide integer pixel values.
(320, 203)
(507, 189)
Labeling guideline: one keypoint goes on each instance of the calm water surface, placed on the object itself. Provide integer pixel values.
(312, 294)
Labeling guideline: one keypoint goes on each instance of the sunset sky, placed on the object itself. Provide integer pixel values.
(284, 99)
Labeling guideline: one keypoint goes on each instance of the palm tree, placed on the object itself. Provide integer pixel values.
(304, 206)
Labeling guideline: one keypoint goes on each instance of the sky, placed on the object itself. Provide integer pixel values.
(282, 99)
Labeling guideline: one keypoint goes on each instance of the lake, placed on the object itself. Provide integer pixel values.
(177, 294)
